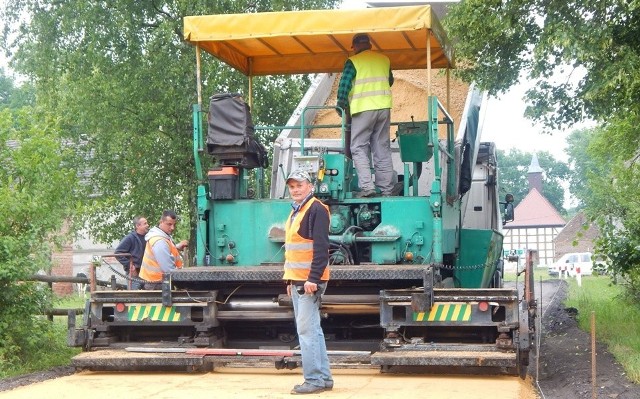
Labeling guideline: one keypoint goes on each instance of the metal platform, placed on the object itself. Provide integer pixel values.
(274, 273)
(204, 359)
(120, 360)
(447, 355)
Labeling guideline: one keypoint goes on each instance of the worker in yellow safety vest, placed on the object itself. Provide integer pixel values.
(365, 92)
(161, 254)
(306, 272)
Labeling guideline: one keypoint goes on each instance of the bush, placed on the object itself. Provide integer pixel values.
(37, 187)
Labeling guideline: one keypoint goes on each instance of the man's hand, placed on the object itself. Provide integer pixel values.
(182, 245)
(309, 287)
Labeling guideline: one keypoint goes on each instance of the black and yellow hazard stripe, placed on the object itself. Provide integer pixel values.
(153, 313)
(445, 312)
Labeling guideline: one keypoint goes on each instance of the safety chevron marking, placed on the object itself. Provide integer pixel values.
(153, 313)
(445, 312)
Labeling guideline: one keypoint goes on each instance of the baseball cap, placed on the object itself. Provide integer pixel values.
(299, 175)
(360, 38)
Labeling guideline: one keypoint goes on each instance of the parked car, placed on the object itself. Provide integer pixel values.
(571, 263)
(601, 264)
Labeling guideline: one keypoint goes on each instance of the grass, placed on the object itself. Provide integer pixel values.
(69, 302)
(617, 319)
(53, 350)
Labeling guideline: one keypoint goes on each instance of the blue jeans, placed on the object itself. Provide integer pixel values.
(315, 362)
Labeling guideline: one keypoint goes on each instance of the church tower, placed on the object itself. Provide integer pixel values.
(534, 175)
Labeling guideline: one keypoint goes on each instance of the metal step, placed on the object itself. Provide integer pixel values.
(457, 358)
(158, 358)
(120, 360)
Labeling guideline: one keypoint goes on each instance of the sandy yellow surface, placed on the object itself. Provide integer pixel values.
(271, 384)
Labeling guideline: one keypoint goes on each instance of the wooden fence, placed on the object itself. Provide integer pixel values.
(92, 282)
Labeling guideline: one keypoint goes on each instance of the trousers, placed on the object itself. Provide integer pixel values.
(370, 141)
(315, 361)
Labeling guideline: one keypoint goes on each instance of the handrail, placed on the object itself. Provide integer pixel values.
(310, 107)
(448, 117)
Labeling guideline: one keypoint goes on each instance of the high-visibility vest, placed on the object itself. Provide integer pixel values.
(150, 269)
(370, 89)
(299, 250)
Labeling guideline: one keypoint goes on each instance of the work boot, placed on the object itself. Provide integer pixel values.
(366, 194)
(328, 385)
(307, 388)
(395, 190)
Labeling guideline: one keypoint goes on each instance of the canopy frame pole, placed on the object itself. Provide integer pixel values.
(250, 94)
(198, 76)
(259, 173)
(429, 63)
(448, 87)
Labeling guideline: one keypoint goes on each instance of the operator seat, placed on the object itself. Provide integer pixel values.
(230, 135)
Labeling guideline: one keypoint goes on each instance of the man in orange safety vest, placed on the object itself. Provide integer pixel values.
(306, 272)
(161, 254)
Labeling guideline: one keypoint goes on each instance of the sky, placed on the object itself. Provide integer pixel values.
(506, 125)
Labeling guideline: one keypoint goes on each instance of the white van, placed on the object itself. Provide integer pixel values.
(572, 262)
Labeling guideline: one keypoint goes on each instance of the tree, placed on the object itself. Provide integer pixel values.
(12, 96)
(37, 194)
(584, 57)
(611, 197)
(122, 81)
(586, 168)
(514, 166)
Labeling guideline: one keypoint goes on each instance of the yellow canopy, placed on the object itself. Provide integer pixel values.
(313, 41)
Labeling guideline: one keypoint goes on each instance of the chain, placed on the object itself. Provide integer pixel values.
(465, 268)
(126, 276)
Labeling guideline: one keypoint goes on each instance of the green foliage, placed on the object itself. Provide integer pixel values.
(514, 166)
(583, 164)
(14, 97)
(607, 176)
(36, 196)
(49, 350)
(613, 200)
(492, 40)
(583, 56)
(617, 318)
(123, 81)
